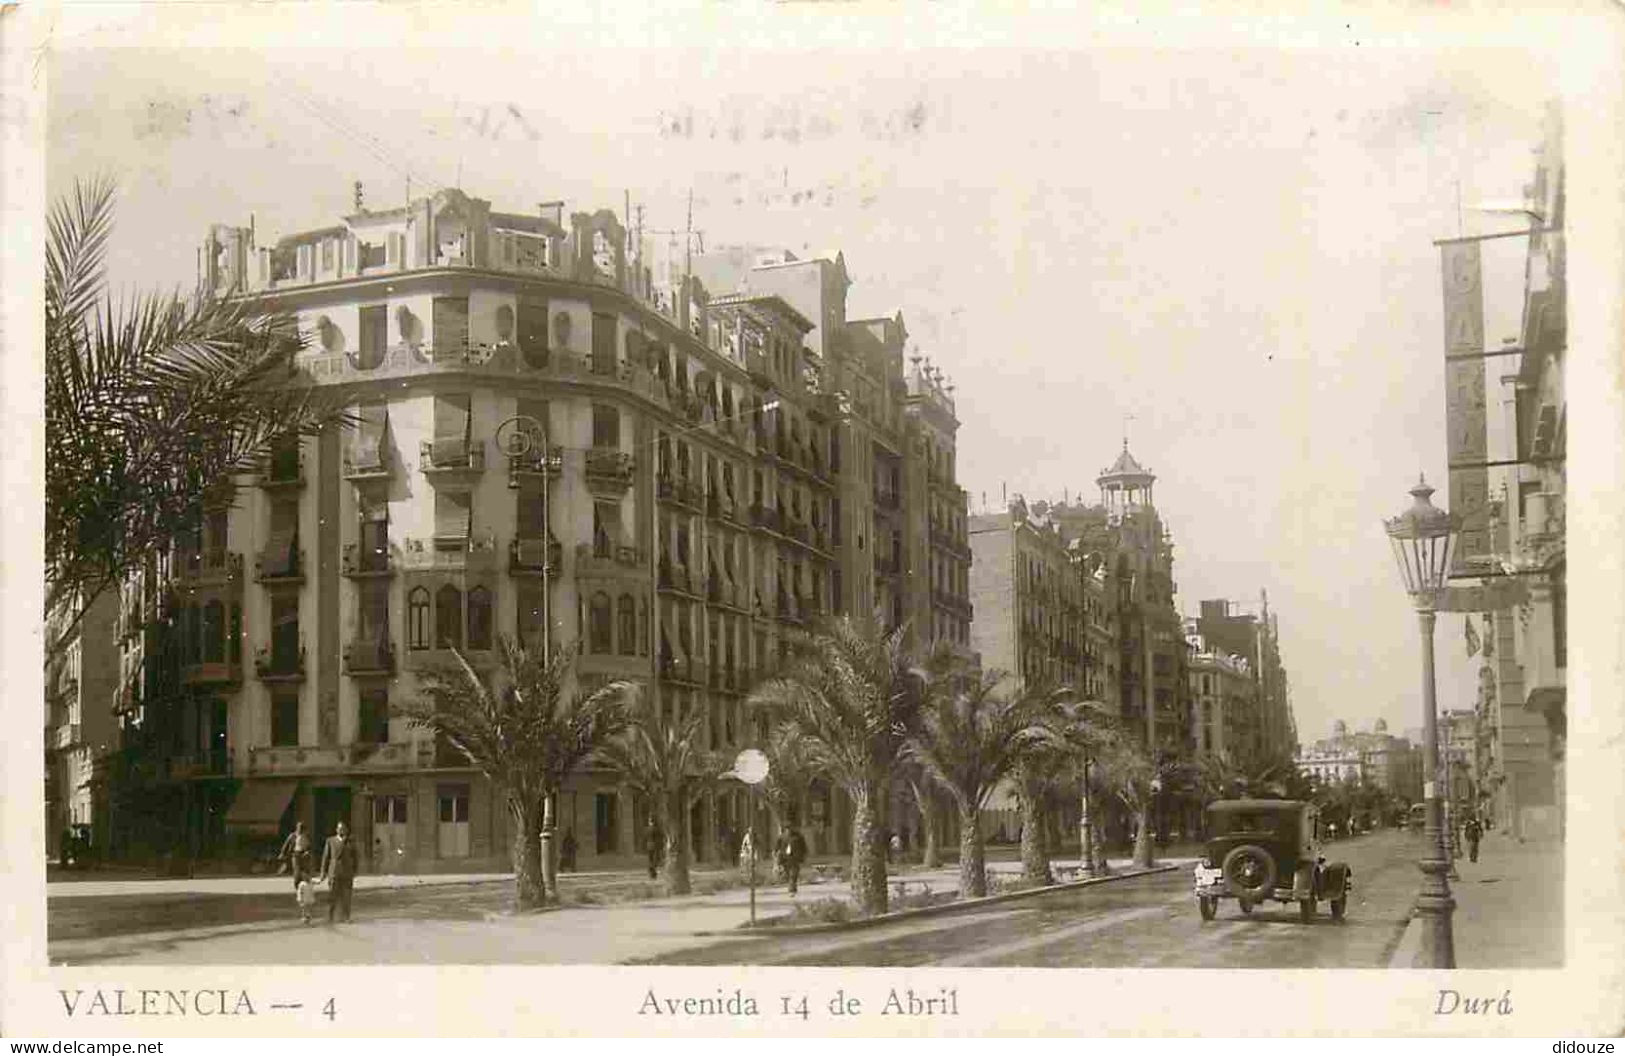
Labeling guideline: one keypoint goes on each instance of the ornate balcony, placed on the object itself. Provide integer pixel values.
(608, 470)
(212, 673)
(280, 665)
(207, 568)
(280, 565)
(448, 553)
(367, 563)
(678, 492)
(372, 656)
(533, 464)
(887, 500)
(299, 759)
(676, 578)
(363, 466)
(607, 560)
(682, 672)
(282, 471)
(532, 556)
(452, 457)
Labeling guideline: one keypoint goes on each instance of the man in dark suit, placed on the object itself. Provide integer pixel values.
(340, 862)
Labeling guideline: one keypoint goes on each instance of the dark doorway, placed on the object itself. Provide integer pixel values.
(332, 805)
(606, 823)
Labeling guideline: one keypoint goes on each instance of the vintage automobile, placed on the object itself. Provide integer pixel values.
(1264, 850)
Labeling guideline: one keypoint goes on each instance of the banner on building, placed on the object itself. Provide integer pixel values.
(1467, 437)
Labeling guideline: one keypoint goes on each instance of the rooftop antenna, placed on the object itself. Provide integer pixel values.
(1127, 418)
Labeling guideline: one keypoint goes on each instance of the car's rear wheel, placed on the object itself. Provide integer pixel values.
(1306, 909)
(1339, 906)
(1246, 907)
(1250, 871)
(1208, 906)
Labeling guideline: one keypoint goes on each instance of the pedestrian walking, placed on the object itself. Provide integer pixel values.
(340, 863)
(656, 847)
(295, 855)
(894, 848)
(792, 851)
(1475, 832)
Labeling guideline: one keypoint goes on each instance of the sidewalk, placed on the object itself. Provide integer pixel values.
(1509, 908)
(593, 934)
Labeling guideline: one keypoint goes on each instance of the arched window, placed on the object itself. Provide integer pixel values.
(214, 632)
(627, 631)
(598, 624)
(479, 618)
(417, 618)
(448, 617)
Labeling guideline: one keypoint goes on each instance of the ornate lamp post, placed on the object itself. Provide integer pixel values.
(1423, 538)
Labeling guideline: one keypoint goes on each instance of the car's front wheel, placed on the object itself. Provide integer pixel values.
(1208, 906)
(1339, 907)
(1306, 909)
(1246, 907)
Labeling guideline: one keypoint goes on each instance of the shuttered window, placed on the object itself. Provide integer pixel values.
(531, 519)
(451, 428)
(453, 514)
(606, 426)
(450, 323)
(532, 331)
(603, 344)
(367, 444)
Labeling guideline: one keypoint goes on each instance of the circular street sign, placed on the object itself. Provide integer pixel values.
(750, 766)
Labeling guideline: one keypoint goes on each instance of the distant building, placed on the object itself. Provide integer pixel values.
(80, 731)
(1373, 757)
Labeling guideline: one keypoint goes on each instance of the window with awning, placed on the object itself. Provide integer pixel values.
(453, 516)
(260, 805)
(367, 444)
(452, 421)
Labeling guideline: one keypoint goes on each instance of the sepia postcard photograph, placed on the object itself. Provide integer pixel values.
(611, 508)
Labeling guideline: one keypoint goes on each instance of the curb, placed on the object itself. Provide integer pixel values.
(1409, 945)
(932, 911)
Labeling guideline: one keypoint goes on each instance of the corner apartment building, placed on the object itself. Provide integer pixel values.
(1372, 756)
(558, 441)
(1124, 547)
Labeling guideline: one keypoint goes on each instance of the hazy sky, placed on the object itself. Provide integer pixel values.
(1234, 246)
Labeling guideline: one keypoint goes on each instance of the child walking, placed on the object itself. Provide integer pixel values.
(307, 899)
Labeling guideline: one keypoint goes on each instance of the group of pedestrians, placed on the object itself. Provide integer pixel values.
(789, 852)
(340, 863)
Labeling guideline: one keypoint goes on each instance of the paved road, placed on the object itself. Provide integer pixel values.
(1149, 922)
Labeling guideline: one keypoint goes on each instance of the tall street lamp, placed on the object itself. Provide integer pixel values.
(1423, 538)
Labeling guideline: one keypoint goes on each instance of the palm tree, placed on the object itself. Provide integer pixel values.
(790, 774)
(923, 790)
(153, 404)
(969, 737)
(526, 734)
(855, 697)
(661, 755)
